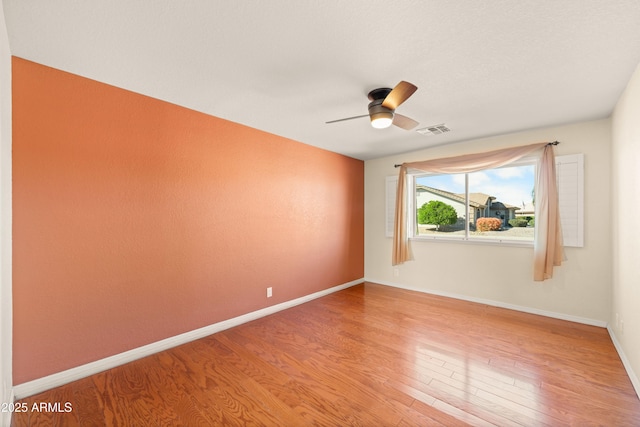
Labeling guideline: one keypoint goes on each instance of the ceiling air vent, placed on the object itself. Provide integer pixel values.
(434, 130)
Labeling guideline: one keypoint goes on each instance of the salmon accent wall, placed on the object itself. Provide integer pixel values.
(135, 220)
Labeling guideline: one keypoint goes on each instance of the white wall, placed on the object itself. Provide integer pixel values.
(5, 220)
(625, 192)
(580, 289)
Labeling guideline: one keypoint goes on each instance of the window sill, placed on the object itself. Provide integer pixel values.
(475, 241)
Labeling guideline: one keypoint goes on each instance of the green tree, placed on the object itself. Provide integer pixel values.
(437, 213)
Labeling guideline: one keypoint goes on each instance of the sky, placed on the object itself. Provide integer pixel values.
(510, 185)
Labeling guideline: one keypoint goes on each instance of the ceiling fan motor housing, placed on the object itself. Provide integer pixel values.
(375, 107)
(381, 117)
(377, 113)
(380, 93)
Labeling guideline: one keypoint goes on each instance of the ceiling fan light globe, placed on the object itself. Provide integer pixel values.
(381, 120)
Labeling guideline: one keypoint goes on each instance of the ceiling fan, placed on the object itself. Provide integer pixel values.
(382, 107)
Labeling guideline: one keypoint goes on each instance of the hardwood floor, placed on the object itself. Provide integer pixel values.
(370, 355)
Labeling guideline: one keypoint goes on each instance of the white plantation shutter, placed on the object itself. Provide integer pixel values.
(390, 204)
(570, 180)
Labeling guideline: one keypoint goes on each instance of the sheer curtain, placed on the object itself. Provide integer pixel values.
(548, 248)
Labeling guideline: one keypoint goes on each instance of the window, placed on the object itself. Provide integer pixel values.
(494, 204)
(506, 194)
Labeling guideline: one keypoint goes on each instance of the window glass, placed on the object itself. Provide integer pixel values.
(440, 205)
(506, 196)
(495, 204)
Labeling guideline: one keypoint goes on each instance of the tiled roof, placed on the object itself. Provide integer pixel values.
(480, 198)
(476, 200)
(456, 197)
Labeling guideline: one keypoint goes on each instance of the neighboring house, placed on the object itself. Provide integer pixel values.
(528, 209)
(480, 205)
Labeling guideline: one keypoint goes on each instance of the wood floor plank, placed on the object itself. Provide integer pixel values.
(369, 355)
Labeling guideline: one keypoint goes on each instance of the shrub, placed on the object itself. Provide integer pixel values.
(518, 222)
(532, 222)
(488, 224)
(437, 213)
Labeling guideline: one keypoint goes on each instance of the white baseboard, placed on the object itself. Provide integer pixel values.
(55, 380)
(625, 362)
(524, 309)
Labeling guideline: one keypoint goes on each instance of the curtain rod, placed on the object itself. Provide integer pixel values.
(550, 143)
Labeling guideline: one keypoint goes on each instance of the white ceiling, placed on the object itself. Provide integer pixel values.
(288, 66)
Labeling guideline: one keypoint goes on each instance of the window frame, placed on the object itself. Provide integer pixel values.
(412, 225)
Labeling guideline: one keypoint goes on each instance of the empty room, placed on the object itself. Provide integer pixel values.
(367, 213)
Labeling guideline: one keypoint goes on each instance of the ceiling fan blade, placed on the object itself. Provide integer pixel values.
(348, 118)
(399, 94)
(404, 122)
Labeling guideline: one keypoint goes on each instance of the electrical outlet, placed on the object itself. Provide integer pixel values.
(269, 292)
(396, 272)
